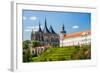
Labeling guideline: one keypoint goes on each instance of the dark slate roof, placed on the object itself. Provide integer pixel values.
(40, 30)
(63, 29)
(51, 30)
(45, 30)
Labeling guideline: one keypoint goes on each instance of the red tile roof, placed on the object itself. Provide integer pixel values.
(77, 34)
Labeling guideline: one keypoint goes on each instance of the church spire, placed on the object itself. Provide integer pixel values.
(45, 28)
(40, 30)
(51, 30)
(45, 22)
(32, 33)
(63, 29)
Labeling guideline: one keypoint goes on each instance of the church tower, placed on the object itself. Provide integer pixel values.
(63, 30)
(62, 34)
(32, 35)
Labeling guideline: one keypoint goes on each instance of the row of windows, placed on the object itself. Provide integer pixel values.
(71, 42)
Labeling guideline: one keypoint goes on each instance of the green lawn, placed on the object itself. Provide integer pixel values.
(64, 53)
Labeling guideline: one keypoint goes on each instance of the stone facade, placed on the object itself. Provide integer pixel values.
(46, 36)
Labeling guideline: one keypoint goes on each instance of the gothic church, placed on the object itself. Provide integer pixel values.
(46, 37)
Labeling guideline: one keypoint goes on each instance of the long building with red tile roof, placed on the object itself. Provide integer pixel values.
(77, 38)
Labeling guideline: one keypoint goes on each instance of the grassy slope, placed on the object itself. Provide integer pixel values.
(57, 54)
(64, 53)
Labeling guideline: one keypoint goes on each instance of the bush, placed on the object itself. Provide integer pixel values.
(83, 53)
(26, 44)
(27, 57)
(35, 43)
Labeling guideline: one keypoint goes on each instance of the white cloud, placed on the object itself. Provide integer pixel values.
(24, 18)
(28, 30)
(34, 28)
(33, 18)
(75, 27)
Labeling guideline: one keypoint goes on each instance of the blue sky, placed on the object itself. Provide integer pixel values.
(73, 21)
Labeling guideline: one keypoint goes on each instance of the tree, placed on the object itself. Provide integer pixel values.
(83, 53)
(35, 43)
(27, 57)
(26, 44)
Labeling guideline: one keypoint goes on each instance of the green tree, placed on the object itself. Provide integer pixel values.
(83, 53)
(27, 57)
(35, 43)
(26, 44)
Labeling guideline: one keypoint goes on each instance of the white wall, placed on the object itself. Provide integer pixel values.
(75, 40)
(5, 37)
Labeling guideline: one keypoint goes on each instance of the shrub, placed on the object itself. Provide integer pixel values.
(35, 43)
(27, 57)
(26, 44)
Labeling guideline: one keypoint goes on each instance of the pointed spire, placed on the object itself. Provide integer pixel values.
(40, 30)
(51, 30)
(32, 32)
(63, 29)
(45, 27)
(45, 22)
